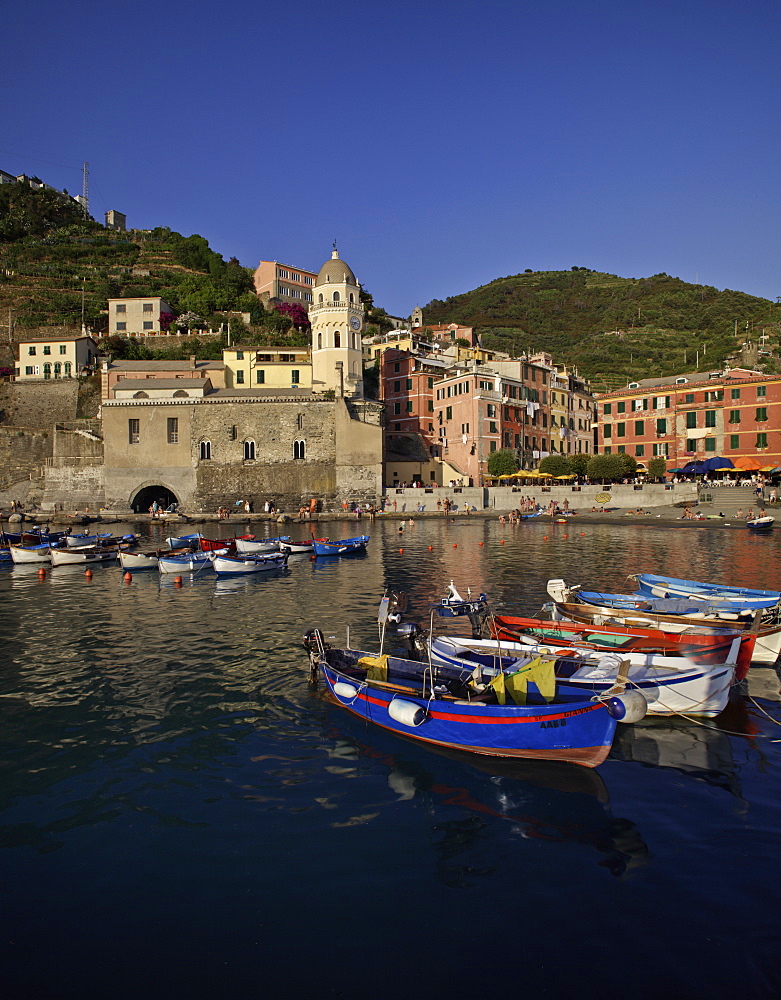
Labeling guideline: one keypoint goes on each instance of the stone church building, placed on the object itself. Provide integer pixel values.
(202, 446)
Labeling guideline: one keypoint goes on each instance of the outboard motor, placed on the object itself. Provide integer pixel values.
(414, 638)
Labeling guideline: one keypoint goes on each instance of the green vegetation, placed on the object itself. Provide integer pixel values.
(613, 329)
(55, 267)
(502, 462)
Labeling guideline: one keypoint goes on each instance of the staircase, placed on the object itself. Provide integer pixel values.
(730, 499)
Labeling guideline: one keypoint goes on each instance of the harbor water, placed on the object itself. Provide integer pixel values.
(182, 816)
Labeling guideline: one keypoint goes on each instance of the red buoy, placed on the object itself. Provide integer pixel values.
(127, 577)
(41, 572)
(88, 573)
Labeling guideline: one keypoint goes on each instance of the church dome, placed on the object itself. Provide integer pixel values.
(335, 271)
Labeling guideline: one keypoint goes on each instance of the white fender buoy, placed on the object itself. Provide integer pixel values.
(343, 690)
(630, 706)
(406, 712)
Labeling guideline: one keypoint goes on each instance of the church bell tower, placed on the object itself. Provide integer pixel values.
(336, 315)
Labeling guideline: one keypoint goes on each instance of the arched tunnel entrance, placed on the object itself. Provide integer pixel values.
(146, 496)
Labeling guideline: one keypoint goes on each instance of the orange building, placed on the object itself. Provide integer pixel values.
(733, 414)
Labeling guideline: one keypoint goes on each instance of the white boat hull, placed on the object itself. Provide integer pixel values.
(137, 560)
(73, 557)
(191, 563)
(256, 546)
(262, 563)
(23, 556)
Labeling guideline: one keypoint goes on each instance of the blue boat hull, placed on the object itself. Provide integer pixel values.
(345, 547)
(576, 730)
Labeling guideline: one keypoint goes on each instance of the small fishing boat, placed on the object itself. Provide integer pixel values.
(254, 546)
(345, 547)
(261, 562)
(408, 698)
(671, 586)
(72, 541)
(187, 562)
(671, 685)
(78, 556)
(297, 548)
(703, 645)
(25, 554)
(184, 541)
(138, 560)
(761, 525)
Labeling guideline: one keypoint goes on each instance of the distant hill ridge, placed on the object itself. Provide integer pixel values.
(616, 329)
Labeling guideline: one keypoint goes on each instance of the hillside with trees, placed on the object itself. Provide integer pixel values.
(616, 329)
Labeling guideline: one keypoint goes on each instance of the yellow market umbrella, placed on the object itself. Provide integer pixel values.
(545, 475)
(570, 476)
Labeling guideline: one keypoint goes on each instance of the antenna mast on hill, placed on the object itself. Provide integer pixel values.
(85, 189)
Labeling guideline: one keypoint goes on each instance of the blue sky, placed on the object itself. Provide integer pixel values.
(442, 145)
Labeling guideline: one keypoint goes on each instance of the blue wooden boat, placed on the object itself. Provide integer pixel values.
(671, 586)
(345, 547)
(571, 728)
(187, 562)
(184, 541)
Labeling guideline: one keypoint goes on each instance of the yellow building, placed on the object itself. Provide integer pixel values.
(57, 357)
(269, 368)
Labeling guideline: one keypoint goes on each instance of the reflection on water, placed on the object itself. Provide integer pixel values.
(160, 740)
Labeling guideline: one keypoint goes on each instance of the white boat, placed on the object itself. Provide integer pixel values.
(184, 541)
(25, 554)
(76, 540)
(257, 545)
(188, 562)
(250, 563)
(138, 560)
(671, 685)
(88, 554)
(296, 548)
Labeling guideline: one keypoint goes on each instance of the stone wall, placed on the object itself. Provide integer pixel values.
(342, 451)
(38, 405)
(23, 456)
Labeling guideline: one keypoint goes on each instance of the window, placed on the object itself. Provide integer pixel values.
(661, 425)
(409, 406)
(761, 440)
(710, 444)
(249, 451)
(710, 418)
(148, 324)
(396, 367)
(396, 408)
(639, 450)
(735, 393)
(147, 307)
(409, 383)
(448, 413)
(621, 407)
(299, 449)
(493, 446)
(240, 356)
(173, 430)
(337, 339)
(608, 408)
(67, 367)
(121, 327)
(31, 351)
(336, 296)
(622, 449)
(639, 428)
(492, 427)
(691, 419)
(121, 307)
(734, 441)
(620, 430)
(47, 349)
(761, 391)
(761, 413)
(239, 377)
(689, 397)
(63, 349)
(607, 431)
(260, 376)
(295, 377)
(47, 370)
(431, 382)
(691, 444)
(133, 431)
(734, 416)
(205, 451)
(397, 385)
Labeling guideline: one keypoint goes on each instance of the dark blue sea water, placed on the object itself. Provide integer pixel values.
(180, 816)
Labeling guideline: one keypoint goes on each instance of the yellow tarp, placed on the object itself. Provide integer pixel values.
(376, 667)
(539, 672)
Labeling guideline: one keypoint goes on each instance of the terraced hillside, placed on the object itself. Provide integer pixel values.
(617, 329)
